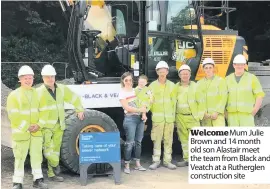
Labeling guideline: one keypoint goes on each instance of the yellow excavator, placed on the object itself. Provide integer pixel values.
(107, 38)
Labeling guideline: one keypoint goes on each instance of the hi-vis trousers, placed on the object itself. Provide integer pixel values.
(239, 119)
(219, 122)
(184, 124)
(52, 145)
(162, 131)
(20, 151)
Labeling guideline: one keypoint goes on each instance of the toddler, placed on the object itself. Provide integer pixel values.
(144, 95)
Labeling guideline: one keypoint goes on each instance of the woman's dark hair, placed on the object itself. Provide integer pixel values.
(126, 74)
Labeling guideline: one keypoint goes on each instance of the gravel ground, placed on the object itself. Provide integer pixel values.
(158, 179)
(4, 94)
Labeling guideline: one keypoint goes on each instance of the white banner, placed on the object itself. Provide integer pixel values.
(97, 95)
(237, 155)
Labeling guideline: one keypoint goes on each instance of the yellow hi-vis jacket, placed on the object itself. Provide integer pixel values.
(195, 101)
(22, 108)
(242, 96)
(215, 94)
(50, 110)
(144, 97)
(164, 99)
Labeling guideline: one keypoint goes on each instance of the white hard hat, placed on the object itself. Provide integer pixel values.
(162, 64)
(208, 61)
(239, 59)
(184, 67)
(25, 70)
(48, 70)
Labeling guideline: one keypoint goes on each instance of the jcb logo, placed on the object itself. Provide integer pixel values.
(185, 45)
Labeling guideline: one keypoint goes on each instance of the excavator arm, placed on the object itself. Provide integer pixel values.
(77, 12)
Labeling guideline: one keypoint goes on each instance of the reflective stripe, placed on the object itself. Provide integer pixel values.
(45, 108)
(60, 105)
(34, 110)
(56, 153)
(17, 179)
(37, 174)
(211, 109)
(212, 93)
(36, 171)
(158, 114)
(223, 93)
(191, 101)
(18, 173)
(23, 124)
(17, 131)
(13, 111)
(258, 91)
(244, 104)
(47, 154)
(240, 88)
(201, 100)
(162, 101)
(51, 121)
(74, 98)
(25, 112)
(42, 121)
(182, 105)
(157, 152)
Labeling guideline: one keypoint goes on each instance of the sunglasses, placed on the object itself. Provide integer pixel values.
(127, 80)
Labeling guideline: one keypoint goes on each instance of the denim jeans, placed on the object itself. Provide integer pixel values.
(134, 128)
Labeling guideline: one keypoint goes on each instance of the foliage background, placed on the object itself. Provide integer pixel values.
(37, 31)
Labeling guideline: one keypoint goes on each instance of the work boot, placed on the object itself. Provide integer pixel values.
(17, 186)
(56, 170)
(182, 164)
(170, 166)
(39, 183)
(56, 179)
(154, 166)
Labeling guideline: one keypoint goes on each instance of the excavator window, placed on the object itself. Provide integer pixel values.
(167, 35)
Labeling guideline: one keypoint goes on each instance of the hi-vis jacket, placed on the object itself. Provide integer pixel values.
(144, 97)
(195, 101)
(242, 96)
(22, 108)
(50, 110)
(164, 99)
(215, 94)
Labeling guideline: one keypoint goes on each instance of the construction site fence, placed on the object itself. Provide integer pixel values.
(9, 71)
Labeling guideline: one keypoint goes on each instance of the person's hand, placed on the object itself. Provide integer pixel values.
(34, 128)
(206, 116)
(80, 115)
(214, 116)
(31, 128)
(254, 111)
(144, 118)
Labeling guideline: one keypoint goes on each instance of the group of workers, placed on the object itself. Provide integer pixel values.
(37, 121)
(186, 104)
(37, 115)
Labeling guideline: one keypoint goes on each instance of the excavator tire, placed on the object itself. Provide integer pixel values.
(94, 121)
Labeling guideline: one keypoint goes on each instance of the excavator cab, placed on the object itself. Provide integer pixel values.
(108, 38)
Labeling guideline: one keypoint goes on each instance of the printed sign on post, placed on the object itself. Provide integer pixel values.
(229, 155)
(100, 147)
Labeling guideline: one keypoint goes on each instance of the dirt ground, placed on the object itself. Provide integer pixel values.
(158, 179)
